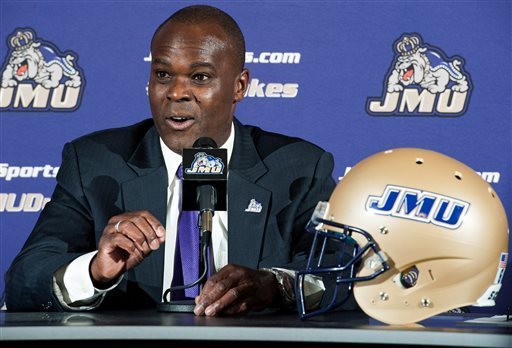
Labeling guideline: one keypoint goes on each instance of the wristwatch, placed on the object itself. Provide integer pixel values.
(286, 288)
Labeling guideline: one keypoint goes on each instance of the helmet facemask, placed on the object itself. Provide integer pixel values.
(335, 256)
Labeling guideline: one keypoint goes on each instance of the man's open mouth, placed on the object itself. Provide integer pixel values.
(179, 119)
(179, 123)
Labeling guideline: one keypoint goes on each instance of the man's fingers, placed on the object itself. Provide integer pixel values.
(234, 297)
(134, 216)
(216, 286)
(132, 232)
(147, 230)
(123, 242)
(214, 289)
(155, 224)
(140, 231)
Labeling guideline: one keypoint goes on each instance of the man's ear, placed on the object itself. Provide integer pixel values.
(241, 84)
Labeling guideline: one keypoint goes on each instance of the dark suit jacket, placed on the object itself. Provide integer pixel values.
(117, 170)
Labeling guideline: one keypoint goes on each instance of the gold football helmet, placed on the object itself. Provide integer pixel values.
(428, 235)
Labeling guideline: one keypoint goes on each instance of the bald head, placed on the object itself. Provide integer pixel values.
(199, 14)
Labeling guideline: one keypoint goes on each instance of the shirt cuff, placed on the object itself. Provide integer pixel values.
(72, 284)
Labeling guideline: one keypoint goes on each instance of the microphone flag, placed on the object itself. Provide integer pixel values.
(204, 164)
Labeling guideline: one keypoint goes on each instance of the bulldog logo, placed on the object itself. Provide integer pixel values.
(205, 164)
(423, 81)
(424, 67)
(37, 76)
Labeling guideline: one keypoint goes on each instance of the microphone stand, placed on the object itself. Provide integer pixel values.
(206, 201)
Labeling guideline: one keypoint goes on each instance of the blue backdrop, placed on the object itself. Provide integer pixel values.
(320, 70)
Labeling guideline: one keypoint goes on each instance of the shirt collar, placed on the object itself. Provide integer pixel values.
(173, 160)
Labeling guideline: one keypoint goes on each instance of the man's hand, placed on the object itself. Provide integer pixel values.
(126, 240)
(236, 289)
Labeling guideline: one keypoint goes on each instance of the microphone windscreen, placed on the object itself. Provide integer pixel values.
(205, 143)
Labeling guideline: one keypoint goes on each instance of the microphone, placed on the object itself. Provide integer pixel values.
(204, 190)
(205, 179)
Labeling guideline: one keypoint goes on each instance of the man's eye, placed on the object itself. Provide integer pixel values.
(162, 74)
(200, 77)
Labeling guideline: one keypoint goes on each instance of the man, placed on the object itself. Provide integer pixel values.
(99, 243)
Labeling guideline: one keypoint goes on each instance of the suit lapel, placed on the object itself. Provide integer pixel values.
(246, 223)
(148, 191)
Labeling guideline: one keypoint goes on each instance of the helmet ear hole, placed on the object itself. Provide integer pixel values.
(419, 161)
(409, 277)
(457, 175)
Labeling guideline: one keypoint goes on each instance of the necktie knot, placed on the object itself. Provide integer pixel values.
(179, 172)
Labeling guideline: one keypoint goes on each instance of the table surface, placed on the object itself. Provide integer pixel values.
(342, 327)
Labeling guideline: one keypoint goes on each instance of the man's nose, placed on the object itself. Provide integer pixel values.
(179, 90)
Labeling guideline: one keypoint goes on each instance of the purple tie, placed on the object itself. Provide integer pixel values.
(186, 269)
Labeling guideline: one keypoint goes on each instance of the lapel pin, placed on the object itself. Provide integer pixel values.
(254, 206)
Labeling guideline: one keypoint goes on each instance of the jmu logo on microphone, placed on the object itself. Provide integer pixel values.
(417, 205)
(204, 163)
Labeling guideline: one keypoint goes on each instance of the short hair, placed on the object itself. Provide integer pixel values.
(197, 14)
